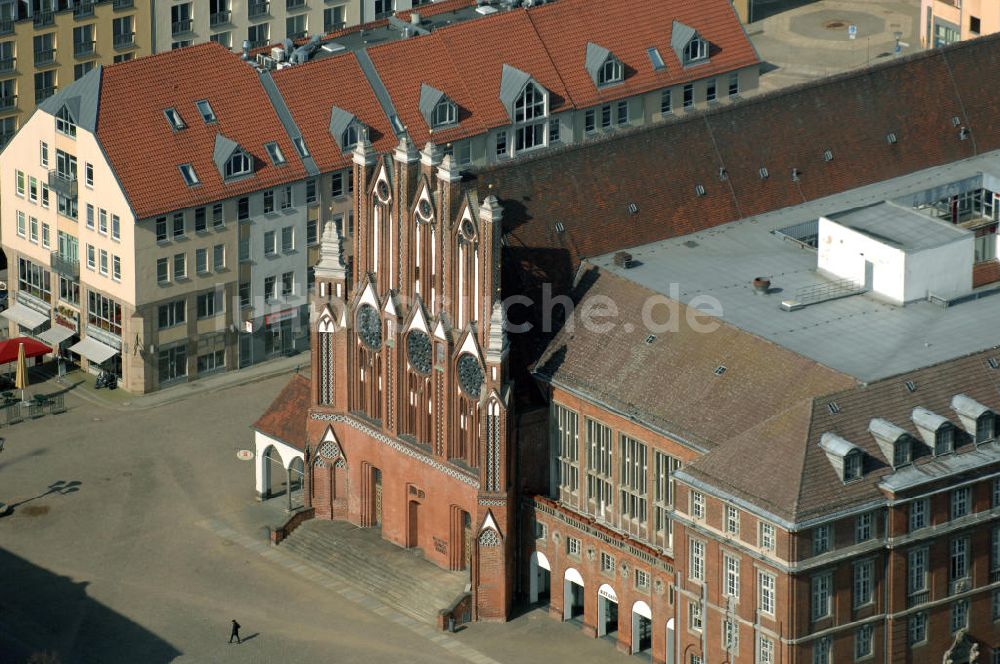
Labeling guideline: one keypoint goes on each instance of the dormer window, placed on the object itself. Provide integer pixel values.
(612, 72)
(530, 104)
(902, 452)
(985, 427)
(944, 441)
(207, 114)
(445, 113)
(174, 118)
(65, 123)
(852, 466)
(350, 137)
(190, 177)
(275, 153)
(696, 49)
(239, 164)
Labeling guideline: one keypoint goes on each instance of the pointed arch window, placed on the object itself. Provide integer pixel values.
(530, 105)
(445, 113)
(612, 71)
(65, 123)
(696, 49)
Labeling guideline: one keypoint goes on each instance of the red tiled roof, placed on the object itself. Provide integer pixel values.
(145, 152)
(285, 419)
(435, 8)
(311, 90)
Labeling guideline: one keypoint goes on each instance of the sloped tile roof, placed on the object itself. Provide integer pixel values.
(145, 152)
(791, 475)
(670, 382)
(311, 91)
(285, 419)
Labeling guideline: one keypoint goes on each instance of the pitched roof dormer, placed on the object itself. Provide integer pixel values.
(690, 47)
(231, 159)
(977, 419)
(437, 108)
(938, 432)
(513, 84)
(894, 442)
(603, 66)
(846, 458)
(345, 128)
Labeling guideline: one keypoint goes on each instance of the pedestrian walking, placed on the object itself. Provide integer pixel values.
(235, 634)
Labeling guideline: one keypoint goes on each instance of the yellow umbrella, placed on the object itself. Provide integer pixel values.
(21, 379)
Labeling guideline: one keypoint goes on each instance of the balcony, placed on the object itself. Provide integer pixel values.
(6, 26)
(84, 9)
(83, 49)
(295, 4)
(41, 94)
(918, 598)
(994, 575)
(44, 18)
(123, 4)
(45, 57)
(181, 27)
(63, 183)
(7, 64)
(294, 36)
(8, 103)
(220, 18)
(124, 40)
(66, 265)
(257, 43)
(258, 9)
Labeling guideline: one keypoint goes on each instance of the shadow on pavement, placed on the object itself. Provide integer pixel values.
(59, 487)
(767, 8)
(44, 612)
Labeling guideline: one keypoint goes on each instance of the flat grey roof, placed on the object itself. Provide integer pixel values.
(859, 335)
(899, 226)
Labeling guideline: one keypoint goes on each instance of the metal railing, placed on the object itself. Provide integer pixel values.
(296, 35)
(257, 43)
(8, 102)
(220, 18)
(45, 56)
(44, 18)
(6, 26)
(258, 9)
(63, 183)
(181, 26)
(295, 4)
(823, 292)
(123, 4)
(83, 9)
(41, 94)
(914, 599)
(7, 64)
(65, 265)
(124, 40)
(83, 48)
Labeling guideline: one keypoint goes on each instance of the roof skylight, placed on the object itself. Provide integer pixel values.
(190, 177)
(275, 153)
(207, 114)
(174, 118)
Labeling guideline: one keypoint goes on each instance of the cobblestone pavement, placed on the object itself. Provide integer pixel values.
(135, 537)
(812, 40)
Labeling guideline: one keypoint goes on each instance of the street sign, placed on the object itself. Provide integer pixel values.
(852, 31)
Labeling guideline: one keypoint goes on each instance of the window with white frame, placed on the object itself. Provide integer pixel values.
(201, 260)
(43, 156)
(694, 615)
(696, 564)
(918, 514)
(958, 567)
(766, 536)
(765, 650)
(116, 268)
(612, 71)
(501, 143)
(944, 440)
(444, 113)
(984, 427)
(863, 582)
(863, 527)
(916, 571)
(821, 539)
(664, 467)
(732, 520)
(162, 268)
(180, 266)
(821, 651)
(731, 565)
(730, 635)
(350, 137)
(599, 455)
(959, 615)
(239, 164)
(696, 49)
(530, 111)
(632, 485)
(697, 505)
(960, 502)
(821, 588)
(88, 170)
(916, 626)
(641, 579)
(766, 597)
(21, 223)
(607, 563)
(863, 642)
(567, 430)
(573, 546)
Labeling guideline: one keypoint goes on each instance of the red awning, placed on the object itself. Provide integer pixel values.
(32, 348)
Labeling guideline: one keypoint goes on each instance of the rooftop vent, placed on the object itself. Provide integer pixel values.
(911, 386)
(796, 175)
(623, 259)
(955, 121)
(763, 173)
(992, 361)
(723, 174)
(559, 227)
(633, 208)
(699, 190)
(651, 338)
(828, 155)
(719, 370)
(891, 138)
(833, 407)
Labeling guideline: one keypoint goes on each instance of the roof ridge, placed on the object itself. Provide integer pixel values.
(552, 62)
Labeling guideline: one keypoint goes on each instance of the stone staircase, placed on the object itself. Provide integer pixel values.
(397, 577)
